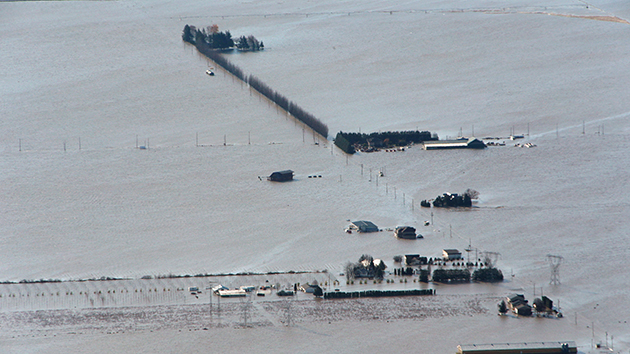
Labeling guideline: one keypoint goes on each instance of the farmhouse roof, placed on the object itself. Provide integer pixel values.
(365, 226)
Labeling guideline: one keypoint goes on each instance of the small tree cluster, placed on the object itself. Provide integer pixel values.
(490, 275)
(471, 193)
(451, 275)
(448, 200)
(381, 139)
(365, 268)
(249, 43)
(211, 38)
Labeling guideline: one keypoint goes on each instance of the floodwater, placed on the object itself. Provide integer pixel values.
(86, 83)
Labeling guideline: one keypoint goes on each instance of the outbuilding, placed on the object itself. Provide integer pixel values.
(281, 176)
(406, 232)
(451, 254)
(565, 347)
(415, 259)
(470, 143)
(364, 226)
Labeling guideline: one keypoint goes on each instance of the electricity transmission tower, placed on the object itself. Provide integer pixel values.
(245, 307)
(554, 264)
(288, 313)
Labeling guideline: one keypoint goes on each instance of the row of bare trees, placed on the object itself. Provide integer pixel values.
(220, 60)
(283, 102)
(296, 111)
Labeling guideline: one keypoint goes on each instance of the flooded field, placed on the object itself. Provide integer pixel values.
(79, 198)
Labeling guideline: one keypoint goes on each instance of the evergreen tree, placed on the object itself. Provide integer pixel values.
(318, 291)
(379, 273)
(187, 34)
(199, 37)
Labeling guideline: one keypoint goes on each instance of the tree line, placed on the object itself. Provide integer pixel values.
(488, 275)
(296, 111)
(448, 200)
(376, 293)
(209, 49)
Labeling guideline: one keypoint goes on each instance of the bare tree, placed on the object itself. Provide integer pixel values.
(473, 194)
(349, 268)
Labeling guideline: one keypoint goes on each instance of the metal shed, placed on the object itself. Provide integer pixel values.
(470, 143)
(364, 226)
(281, 176)
(450, 254)
(519, 348)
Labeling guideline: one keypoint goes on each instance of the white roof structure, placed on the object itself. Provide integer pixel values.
(470, 143)
(232, 293)
(508, 348)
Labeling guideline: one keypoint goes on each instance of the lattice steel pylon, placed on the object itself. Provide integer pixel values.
(554, 264)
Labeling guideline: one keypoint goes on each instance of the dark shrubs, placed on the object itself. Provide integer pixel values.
(489, 275)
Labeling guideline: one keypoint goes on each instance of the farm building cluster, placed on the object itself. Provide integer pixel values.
(543, 306)
(403, 232)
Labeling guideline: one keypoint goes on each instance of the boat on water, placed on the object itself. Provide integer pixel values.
(210, 72)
